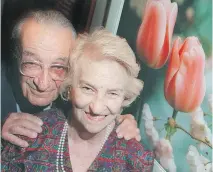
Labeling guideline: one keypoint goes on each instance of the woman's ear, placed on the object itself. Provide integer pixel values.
(66, 93)
(70, 90)
(128, 101)
(132, 91)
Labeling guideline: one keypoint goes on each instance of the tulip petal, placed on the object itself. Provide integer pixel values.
(173, 67)
(169, 31)
(184, 87)
(190, 42)
(152, 33)
(195, 65)
(188, 82)
(171, 22)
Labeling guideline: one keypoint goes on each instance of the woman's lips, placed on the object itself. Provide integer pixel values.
(95, 118)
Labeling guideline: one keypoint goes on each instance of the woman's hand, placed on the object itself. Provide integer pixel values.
(128, 127)
(21, 124)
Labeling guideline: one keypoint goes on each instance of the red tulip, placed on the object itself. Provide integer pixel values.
(155, 32)
(184, 86)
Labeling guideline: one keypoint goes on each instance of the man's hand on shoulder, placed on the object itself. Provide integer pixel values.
(21, 124)
(128, 127)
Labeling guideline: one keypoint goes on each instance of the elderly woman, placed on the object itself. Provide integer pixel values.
(102, 82)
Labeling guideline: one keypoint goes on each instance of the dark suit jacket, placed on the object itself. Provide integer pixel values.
(8, 103)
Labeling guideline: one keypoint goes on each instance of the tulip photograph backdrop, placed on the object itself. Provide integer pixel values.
(159, 52)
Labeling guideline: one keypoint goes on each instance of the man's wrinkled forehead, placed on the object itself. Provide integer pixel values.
(32, 29)
(44, 38)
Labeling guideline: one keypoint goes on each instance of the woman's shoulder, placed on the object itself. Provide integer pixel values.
(138, 154)
(138, 150)
(135, 155)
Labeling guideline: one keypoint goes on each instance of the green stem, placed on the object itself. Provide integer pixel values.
(158, 119)
(207, 163)
(195, 138)
(174, 115)
(167, 137)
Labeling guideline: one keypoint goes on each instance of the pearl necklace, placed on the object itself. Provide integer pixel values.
(61, 149)
(60, 160)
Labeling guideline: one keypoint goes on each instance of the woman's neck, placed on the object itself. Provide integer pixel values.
(84, 146)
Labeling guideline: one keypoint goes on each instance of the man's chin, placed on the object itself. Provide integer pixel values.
(40, 102)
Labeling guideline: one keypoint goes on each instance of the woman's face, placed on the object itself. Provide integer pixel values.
(98, 93)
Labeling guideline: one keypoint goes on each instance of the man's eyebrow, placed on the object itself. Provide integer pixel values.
(62, 59)
(30, 54)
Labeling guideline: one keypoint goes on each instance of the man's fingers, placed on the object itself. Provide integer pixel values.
(24, 132)
(32, 118)
(128, 116)
(120, 135)
(121, 118)
(16, 140)
(132, 136)
(127, 124)
(137, 131)
(138, 138)
(127, 137)
(128, 130)
(23, 123)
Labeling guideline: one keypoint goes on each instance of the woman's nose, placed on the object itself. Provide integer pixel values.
(97, 106)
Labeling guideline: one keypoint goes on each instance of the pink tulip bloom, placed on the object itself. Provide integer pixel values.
(184, 86)
(155, 33)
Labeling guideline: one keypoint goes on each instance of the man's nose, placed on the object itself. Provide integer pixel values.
(98, 106)
(43, 80)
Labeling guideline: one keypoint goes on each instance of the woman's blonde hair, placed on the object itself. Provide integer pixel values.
(108, 46)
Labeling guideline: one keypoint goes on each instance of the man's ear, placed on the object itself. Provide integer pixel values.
(128, 101)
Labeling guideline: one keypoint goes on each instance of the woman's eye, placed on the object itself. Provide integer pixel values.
(87, 89)
(113, 94)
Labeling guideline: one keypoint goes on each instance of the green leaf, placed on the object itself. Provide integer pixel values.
(170, 131)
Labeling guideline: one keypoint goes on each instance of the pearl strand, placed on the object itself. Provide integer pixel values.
(108, 131)
(60, 159)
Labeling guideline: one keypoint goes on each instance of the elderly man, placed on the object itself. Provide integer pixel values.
(44, 40)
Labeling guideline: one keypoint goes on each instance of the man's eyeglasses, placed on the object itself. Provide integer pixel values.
(34, 69)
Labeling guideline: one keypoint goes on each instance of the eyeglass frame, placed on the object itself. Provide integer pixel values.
(43, 66)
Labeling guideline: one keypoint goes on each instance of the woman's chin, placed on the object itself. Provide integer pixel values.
(94, 128)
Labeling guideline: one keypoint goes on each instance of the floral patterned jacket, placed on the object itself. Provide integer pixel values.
(116, 155)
